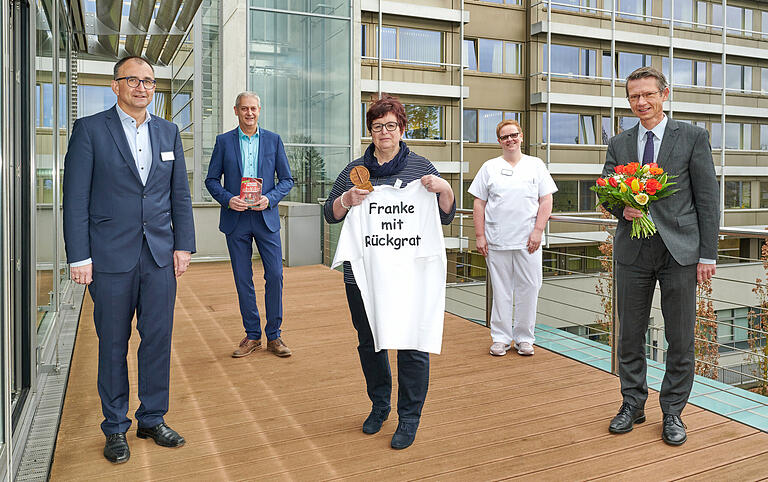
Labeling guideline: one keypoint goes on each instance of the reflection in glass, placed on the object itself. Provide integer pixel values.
(424, 121)
(639, 7)
(738, 194)
(566, 199)
(605, 129)
(305, 91)
(587, 197)
(717, 75)
(565, 59)
(627, 123)
(388, 43)
(764, 137)
(764, 194)
(45, 163)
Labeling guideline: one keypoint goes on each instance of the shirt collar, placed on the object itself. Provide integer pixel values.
(658, 131)
(242, 134)
(124, 116)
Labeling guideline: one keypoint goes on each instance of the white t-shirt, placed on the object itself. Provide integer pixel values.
(394, 243)
(512, 195)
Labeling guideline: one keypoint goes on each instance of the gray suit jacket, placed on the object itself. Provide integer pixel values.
(689, 220)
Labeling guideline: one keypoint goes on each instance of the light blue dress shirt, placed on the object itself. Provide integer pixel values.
(249, 151)
(141, 149)
(658, 135)
(138, 141)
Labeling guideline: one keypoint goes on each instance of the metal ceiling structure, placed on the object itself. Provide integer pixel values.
(153, 29)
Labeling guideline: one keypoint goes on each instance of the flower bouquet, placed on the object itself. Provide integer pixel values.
(635, 186)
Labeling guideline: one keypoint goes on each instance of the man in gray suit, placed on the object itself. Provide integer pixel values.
(682, 252)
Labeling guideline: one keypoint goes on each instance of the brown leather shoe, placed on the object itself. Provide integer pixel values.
(277, 347)
(246, 347)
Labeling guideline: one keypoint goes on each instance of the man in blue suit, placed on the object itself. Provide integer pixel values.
(250, 151)
(129, 233)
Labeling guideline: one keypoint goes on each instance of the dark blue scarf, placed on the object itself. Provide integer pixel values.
(390, 168)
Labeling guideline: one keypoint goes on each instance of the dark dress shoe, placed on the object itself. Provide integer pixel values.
(404, 435)
(375, 420)
(116, 449)
(624, 420)
(162, 434)
(673, 430)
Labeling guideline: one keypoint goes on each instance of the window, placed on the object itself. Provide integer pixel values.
(570, 60)
(363, 39)
(739, 20)
(490, 55)
(424, 121)
(606, 71)
(765, 25)
(737, 135)
(683, 71)
(569, 128)
(573, 5)
(480, 125)
(411, 45)
(738, 77)
(45, 105)
(629, 62)
(470, 125)
(626, 123)
(764, 79)
(470, 55)
(732, 326)
(738, 194)
(94, 98)
(764, 194)
(764, 137)
(494, 56)
(507, 2)
(639, 7)
(717, 75)
(683, 12)
(182, 109)
(606, 131)
(574, 196)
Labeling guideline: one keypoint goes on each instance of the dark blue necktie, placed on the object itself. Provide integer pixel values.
(648, 152)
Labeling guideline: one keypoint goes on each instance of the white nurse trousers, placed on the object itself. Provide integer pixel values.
(516, 279)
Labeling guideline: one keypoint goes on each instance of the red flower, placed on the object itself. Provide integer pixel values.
(628, 181)
(619, 169)
(651, 186)
(652, 164)
(601, 181)
(631, 168)
(613, 182)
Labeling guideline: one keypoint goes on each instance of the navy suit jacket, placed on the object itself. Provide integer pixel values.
(227, 160)
(107, 210)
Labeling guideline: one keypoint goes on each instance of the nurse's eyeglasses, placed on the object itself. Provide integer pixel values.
(514, 135)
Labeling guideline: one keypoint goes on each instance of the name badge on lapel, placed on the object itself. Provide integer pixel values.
(167, 156)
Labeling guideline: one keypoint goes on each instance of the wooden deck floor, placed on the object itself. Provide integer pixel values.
(543, 417)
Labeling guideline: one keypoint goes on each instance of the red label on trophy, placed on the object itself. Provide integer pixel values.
(250, 189)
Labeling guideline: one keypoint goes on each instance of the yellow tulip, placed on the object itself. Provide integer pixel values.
(623, 187)
(635, 185)
(642, 198)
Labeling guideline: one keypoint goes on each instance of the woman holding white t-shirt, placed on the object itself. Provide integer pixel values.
(513, 201)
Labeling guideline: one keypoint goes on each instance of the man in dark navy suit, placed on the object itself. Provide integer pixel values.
(253, 152)
(129, 233)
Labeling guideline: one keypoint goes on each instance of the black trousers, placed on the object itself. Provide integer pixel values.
(412, 367)
(635, 284)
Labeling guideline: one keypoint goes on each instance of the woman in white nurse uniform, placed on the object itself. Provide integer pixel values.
(513, 201)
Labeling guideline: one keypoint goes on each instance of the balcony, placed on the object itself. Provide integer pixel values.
(540, 417)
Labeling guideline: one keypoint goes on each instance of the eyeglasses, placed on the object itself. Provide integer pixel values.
(134, 82)
(648, 95)
(514, 135)
(391, 126)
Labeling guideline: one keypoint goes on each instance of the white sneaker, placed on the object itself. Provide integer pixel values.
(499, 349)
(524, 348)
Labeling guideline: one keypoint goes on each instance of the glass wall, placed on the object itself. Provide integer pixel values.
(299, 64)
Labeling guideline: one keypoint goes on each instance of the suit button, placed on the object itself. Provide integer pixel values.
(144, 196)
(145, 223)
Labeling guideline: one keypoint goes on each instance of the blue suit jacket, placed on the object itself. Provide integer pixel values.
(227, 160)
(106, 208)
